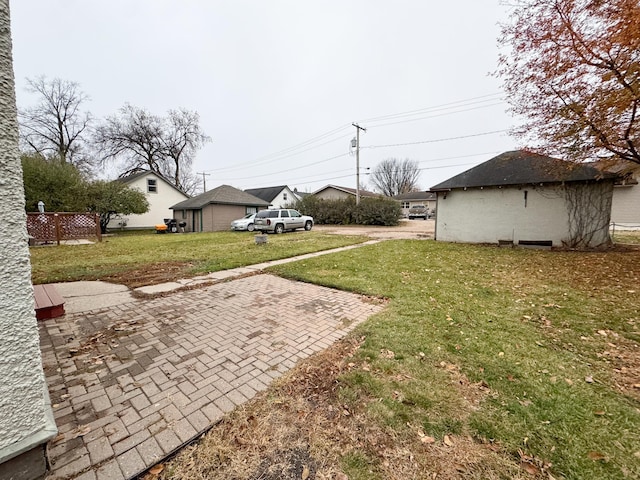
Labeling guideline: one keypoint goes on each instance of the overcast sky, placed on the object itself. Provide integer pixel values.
(278, 83)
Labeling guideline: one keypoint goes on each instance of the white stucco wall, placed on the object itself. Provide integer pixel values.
(492, 214)
(625, 210)
(159, 203)
(23, 398)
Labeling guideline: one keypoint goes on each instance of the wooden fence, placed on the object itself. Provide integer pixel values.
(55, 227)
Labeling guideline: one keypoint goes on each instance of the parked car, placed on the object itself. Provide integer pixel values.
(418, 211)
(244, 223)
(279, 220)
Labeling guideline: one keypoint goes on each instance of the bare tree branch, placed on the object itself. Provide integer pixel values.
(56, 126)
(393, 177)
(138, 140)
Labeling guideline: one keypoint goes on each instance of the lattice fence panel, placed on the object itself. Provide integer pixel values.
(42, 226)
(77, 225)
(50, 227)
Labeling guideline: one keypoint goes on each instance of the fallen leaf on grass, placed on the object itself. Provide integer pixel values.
(595, 456)
(427, 439)
(387, 353)
(599, 412)
(529, 468)
(588, 379)
(447, 441)
(305, 473)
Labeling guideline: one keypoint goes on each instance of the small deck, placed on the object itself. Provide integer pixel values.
(49, 303)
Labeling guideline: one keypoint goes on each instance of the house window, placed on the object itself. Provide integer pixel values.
(251, 210)
(284, 196)
(405, 204)
(152, 186)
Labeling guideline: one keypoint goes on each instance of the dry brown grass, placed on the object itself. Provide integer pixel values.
(300, 429)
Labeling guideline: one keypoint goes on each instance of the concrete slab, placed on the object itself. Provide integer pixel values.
(160, 288)
(92, 295)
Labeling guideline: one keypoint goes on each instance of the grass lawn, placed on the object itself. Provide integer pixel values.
(487, 363)
(628, 237)
(145, 259)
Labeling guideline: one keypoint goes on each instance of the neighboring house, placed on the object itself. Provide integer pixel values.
(524, 198)
(213, 211)
(408, 200)
(625, 210)
(278, 197)
(26, 419)
(159, 192)
(334, 192)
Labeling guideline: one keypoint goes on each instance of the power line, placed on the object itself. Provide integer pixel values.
(439, 115)
(436, 140)
(307, 177)
(292, 151)
(444, 106)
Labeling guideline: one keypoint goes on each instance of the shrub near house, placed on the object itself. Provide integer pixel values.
(370, 211)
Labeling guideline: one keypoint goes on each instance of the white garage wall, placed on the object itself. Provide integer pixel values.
(492, 214)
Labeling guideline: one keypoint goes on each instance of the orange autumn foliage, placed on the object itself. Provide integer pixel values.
(572, 73)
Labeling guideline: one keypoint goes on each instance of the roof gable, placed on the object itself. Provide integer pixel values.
(351, 191)
(143, 173)
(416, 196)
(268, 194)
(522, 168)
(224, 194)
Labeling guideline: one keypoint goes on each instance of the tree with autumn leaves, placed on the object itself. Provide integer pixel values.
(572, 73)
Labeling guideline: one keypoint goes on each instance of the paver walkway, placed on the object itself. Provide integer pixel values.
(131, 384)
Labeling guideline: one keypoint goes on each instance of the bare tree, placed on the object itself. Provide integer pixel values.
(182, 139)
(56, 126)
(393, 177)
(143, 141)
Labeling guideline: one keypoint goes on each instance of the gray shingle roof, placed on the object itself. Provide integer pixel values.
(224, 194)
(416, 196)
(266, 193)
(520, 167)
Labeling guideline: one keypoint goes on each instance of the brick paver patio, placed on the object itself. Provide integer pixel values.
(133, 383)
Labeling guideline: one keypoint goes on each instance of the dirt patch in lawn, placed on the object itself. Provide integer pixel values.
(151, 274)
(300, 429)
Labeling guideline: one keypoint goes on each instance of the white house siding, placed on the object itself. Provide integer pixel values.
(625, 210)
(492, 214)
(333, 194)
(430, 204)
(281, 202)
(23, 399)
(159, 203)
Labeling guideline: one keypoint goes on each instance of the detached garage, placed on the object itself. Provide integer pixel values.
(213, 211)
(523, 198)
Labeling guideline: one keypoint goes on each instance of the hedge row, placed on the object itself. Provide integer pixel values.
(370, 211)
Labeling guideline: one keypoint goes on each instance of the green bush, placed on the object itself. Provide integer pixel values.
(371, 211)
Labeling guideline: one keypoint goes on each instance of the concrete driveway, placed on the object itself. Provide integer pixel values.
(408, 229)
(133, 382)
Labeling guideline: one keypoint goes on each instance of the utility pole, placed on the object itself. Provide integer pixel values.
(358, 128)
(204, 180)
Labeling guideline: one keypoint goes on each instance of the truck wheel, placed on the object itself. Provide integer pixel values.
(308, 225)
(279, 228)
